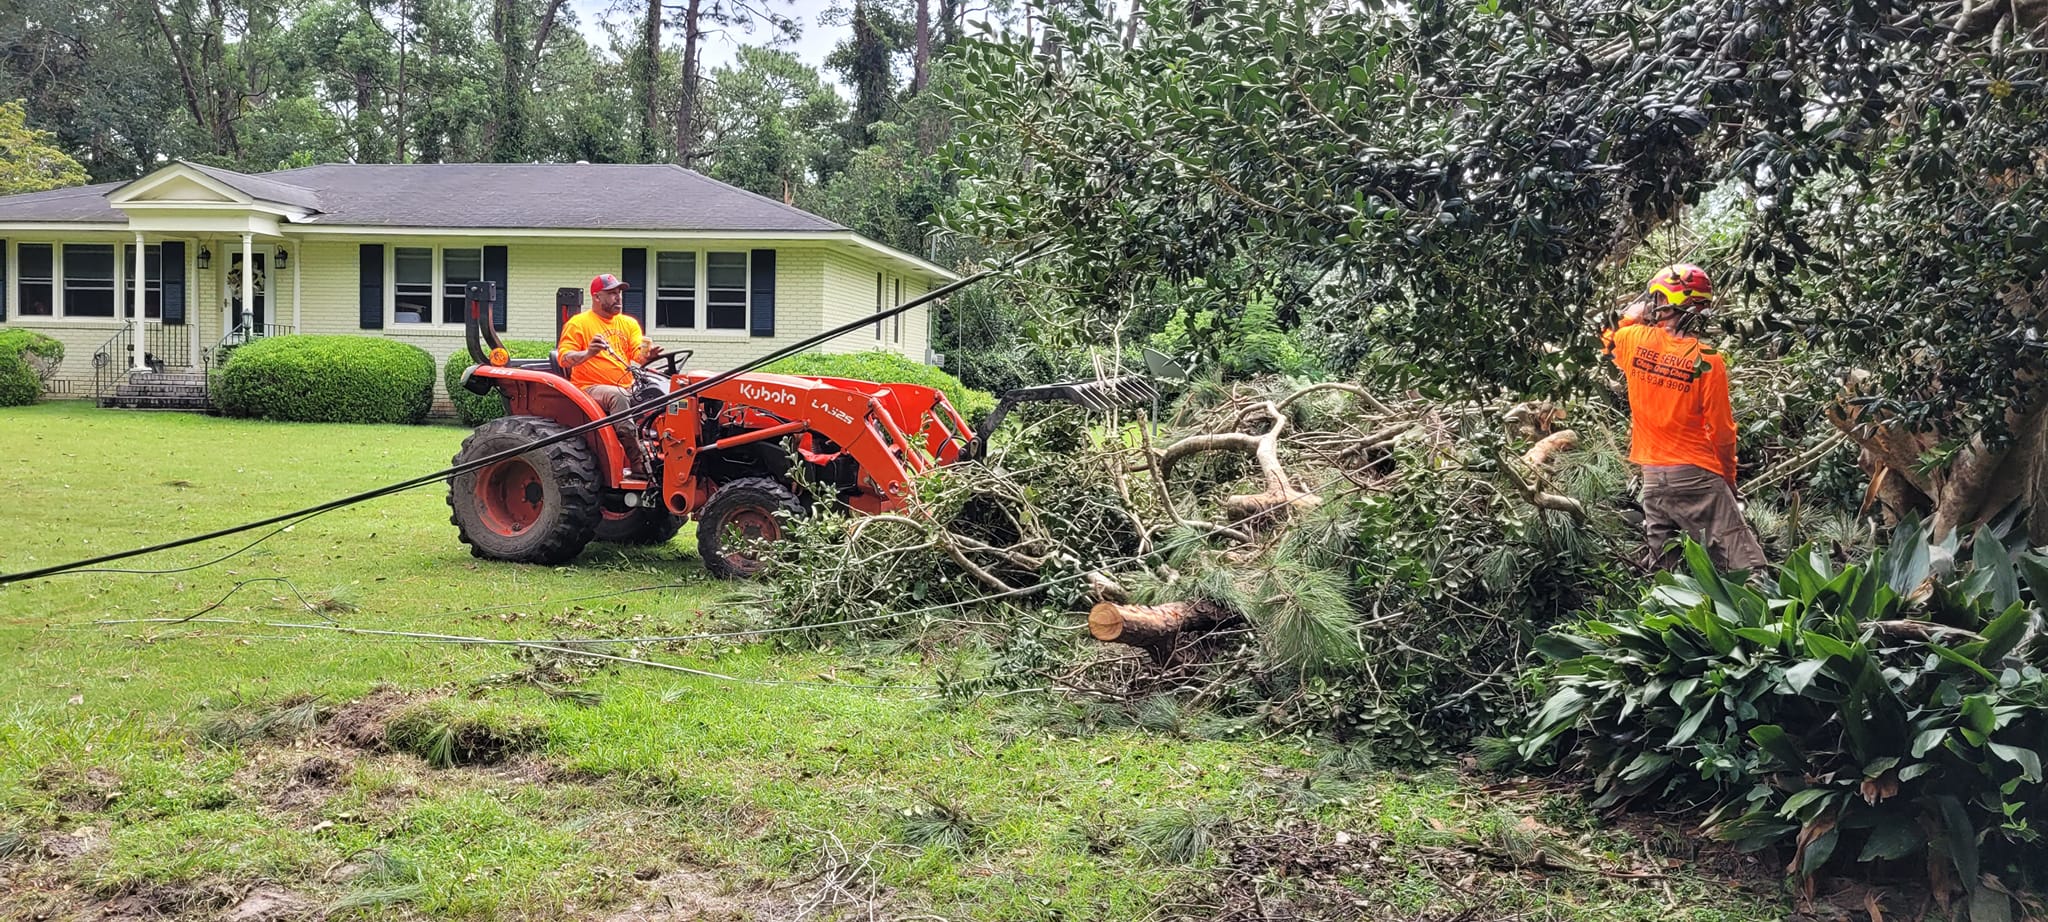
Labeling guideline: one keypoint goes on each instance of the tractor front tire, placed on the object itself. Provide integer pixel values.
(539, 506)
(751, 509)
(642, 525)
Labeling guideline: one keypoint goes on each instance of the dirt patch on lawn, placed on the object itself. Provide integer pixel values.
(691, 894)
(270, 904)
(365, 722)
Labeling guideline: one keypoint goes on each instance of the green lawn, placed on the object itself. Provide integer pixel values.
(173, 768)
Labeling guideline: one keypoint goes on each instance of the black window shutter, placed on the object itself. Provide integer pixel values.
(4, 288)
(372, 303)
(174, 282)
(762, 304)
(495, 271)
(633, 271)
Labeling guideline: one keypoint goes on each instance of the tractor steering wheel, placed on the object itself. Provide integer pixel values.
(671, 360)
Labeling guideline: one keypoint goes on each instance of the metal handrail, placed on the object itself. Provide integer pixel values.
(107, 374)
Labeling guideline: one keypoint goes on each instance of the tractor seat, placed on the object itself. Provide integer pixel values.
(549, 365)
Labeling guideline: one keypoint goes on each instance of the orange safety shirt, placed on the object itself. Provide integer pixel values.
(1677, 399)
(603, 367)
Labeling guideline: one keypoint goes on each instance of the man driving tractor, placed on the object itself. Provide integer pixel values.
(1683, 429)
(600, 348)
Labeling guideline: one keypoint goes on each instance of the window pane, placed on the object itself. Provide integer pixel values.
(462, 266)
(725, 291)
(35, 261)
(726, 270)
(413, 289)
(675, 289)
(35, 293)
(458, 269)
(89, 280)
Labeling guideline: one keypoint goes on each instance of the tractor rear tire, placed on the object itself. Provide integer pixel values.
(643, 525)
(541, 506)
(748, 508)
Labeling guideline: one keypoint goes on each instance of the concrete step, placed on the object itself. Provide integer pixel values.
(169, 377)
(156, 402)
(161, 390)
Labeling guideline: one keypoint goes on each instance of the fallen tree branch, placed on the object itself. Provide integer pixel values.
(1155, 628)
(1530, 490)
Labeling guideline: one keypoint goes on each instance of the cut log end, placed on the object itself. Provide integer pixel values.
(1154, 628)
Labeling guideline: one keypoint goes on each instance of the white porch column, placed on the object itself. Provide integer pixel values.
(141, 282)
(296, 263)
(248, 273)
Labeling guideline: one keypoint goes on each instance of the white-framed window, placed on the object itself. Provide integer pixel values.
(88, 274)
(153, 280)
(429, 284)
(35, 280)
(897, 321)
(81, 281)
(879, 289)
(702, 290)
(675, 290)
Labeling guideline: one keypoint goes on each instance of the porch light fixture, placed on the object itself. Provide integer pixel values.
(284, 258)
(205, 257)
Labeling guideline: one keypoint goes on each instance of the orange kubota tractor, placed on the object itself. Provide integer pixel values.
(730, 456)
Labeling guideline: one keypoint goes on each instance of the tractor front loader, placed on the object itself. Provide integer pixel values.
(729, 456)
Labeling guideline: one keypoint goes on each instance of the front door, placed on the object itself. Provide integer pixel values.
(258, 297)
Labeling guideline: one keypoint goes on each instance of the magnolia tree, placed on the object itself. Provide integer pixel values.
(1454, 178)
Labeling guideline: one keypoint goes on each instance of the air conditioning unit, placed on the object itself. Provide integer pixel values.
(934, 359)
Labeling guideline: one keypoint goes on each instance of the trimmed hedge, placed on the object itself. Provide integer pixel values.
(475, 410)
(27, 360)
(889, 368)
(327, 379)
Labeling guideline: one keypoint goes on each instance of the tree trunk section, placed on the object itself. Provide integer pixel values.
(650, 82)
(686, 108)
(921, 65)
(1155, 628)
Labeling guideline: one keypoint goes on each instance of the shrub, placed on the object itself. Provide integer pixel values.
(887, 368)
(332, 379)
(1247, 344)
(27, 361)
(476, 410)
(1874, 713)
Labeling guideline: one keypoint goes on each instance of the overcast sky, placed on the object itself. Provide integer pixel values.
(812, 46)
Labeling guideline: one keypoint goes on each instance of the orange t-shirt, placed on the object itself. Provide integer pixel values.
(604, 367)
(1677, 399)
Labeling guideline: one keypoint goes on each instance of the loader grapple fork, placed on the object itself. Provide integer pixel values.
(1100, 395)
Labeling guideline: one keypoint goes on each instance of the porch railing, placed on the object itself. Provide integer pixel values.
(217, 355)
(164, 347)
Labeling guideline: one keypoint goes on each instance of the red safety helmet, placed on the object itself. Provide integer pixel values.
(609, 282)
(1683, 285)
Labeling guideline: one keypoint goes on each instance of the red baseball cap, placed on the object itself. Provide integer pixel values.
(607, 282)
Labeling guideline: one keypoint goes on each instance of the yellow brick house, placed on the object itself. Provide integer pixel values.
(385, 249)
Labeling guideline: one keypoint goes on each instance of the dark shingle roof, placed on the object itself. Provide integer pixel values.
(76, 204)
(257, 187)
(580, 196)
(563, 196)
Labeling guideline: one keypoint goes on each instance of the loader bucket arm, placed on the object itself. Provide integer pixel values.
(1100, 396)
(855, 419)
(479, 330)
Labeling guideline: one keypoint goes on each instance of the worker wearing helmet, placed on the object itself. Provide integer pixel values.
(601, 347)
(1683, 429)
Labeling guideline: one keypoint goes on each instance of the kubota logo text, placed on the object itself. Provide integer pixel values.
(762, 394)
